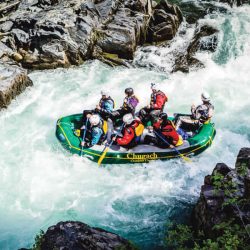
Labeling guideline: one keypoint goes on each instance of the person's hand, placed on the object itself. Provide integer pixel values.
(88, 116)
(98, 107)
(83, 127)
(150, 127)
(83, 143)
(149, 106)
(193, 106)
(171, 146)
(114, 138)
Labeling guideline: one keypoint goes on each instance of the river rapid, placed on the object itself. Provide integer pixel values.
(42, 184)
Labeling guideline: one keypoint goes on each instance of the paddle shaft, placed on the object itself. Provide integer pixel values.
(105, 150)
(184, 157)
(84, 134)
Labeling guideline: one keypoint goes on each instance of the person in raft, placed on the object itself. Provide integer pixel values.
(156, 106)
(131, 132)
(106, 105)
(103, 108)
(94, 130)
(199, 114)
(168, 137)
(129, 104)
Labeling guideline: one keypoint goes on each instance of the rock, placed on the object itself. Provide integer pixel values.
(164, 23)
(6, 26)
(222, 169)
(205, 38)
(80, 236)
(55, 33)
(215, 204)
(13, 81)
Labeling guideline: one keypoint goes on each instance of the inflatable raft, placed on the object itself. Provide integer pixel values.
(140, 154)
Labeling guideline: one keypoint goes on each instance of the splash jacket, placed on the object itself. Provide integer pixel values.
(129, 134)
(158, 100)
(107, 105)
(167, 129)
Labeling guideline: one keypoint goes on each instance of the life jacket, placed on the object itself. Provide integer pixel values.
(138, 129)
(202, 112)
(168, 130)
(103, 125)
(131, 134)
(130, 102)
(158, 100)
(102, 102)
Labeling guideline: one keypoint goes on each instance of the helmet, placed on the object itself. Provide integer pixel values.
(163, 116)
(205, 97)
(128, 118)
(105, 92)
(154, 86)
(129, 91)
(94, 120)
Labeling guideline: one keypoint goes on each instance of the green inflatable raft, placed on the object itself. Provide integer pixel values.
(140, 154)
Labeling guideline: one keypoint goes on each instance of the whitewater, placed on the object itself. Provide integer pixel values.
(42, 184)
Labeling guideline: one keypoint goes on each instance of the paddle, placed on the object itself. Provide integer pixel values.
(184, 157)
(84, 135)
(107, 146)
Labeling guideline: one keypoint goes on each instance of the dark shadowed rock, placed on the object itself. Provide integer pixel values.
(165, 22)
(13, 81)
(205, 39)
(224, 185)
(79, 236)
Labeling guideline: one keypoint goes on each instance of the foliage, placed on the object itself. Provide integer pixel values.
(38, 241)
(231, 236)
(130, 246)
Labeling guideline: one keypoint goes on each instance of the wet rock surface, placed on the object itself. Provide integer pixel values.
(13, 81)
(219, 190)
(50, 34)
(205, 39)
(79, 236)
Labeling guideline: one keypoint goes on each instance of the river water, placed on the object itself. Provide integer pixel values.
(42, 184)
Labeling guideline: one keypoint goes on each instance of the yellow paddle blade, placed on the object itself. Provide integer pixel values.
(102, 156)
(185, 158)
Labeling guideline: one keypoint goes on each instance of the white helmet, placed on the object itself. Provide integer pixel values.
(105, 92)
(128, 118)
(205, 97)
(94, 120)
(155, 86)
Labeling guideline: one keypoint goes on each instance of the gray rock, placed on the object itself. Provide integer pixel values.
(205, 38)
(13, 81)
(214, 205)
(79, 236)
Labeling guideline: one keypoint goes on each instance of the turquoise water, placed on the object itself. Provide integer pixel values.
(42, 184)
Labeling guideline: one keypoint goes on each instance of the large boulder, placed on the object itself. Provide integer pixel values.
(13, 81)
(79, 236)
(224, 196)
(60, 33)
(165, 22)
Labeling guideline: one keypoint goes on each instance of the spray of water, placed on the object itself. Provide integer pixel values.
(42, 184)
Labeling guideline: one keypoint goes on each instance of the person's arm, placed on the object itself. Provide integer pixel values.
(210, 112)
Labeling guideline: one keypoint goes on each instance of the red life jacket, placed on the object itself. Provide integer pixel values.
(158, 100)
(168, 131)
(128, 134)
